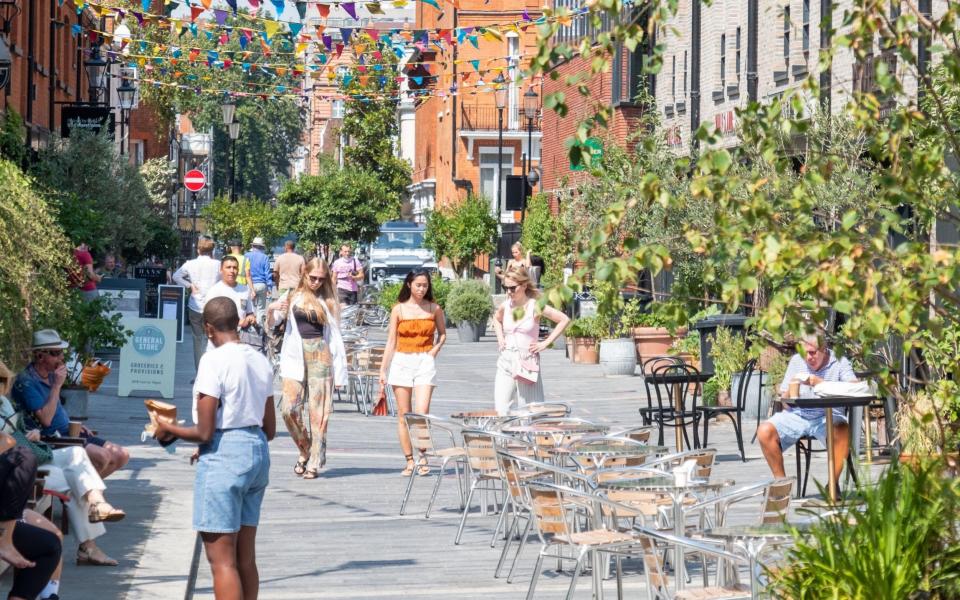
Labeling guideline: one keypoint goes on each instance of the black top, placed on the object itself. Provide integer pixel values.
(308, 323)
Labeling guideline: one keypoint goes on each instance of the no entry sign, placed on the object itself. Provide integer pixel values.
(194, 180)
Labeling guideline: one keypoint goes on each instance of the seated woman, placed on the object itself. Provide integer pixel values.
(70, 470)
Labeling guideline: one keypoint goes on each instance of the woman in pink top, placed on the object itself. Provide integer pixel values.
(517, 325)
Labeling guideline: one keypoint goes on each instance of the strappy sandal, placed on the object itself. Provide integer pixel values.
(422, 467)
(104, 512)
(89, 558)
(311, 474)
(301, 467)
(407, 472)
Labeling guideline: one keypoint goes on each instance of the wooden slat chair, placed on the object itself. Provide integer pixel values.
(483, 469)
(364, 375)
(433, 457)
(658, 584)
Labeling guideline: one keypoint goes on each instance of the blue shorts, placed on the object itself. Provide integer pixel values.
(791, 427)
(232, 475)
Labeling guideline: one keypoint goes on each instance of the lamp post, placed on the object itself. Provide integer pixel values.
(531, 103)
(500, 95)
(229, 109)
(234, 129)
(126, 93)
(9, 9)
(96, 69)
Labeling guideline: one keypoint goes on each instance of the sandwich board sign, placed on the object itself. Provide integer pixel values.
(148, 361)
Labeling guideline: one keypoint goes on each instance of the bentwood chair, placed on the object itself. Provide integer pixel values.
(735, 412)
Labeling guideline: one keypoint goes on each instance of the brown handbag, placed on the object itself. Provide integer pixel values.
(380, 409)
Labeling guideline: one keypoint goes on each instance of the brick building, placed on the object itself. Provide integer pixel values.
(456, 120)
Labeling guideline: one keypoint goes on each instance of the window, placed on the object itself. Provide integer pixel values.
(806, 27)
(723, 58)
(786, 33)
(673, 78)
(737, 65)
(488, 176)
(337, 109)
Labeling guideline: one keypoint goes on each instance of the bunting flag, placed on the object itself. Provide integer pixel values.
(345, 34)
(351, 9)
(231, 3)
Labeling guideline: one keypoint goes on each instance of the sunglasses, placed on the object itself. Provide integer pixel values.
(510, 288)
(53, 352)
(314, 279)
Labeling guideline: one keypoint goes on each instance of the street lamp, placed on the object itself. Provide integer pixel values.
(8, 10)
(531, 103)
(126, 93)
(6, 63)
(96, 73)
(234, 130)
(229, 109)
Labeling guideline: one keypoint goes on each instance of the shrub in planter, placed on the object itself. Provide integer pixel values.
(687, 348)
(469, 305)
(583, 335)
(648, 329)
(729, 354)
(388, 295)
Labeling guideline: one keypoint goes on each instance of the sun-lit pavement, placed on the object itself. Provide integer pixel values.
(340, 536)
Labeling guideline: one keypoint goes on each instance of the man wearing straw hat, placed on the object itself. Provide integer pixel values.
(36, 391)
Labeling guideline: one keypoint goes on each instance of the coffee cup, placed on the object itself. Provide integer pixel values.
(75, 427)
(794, 390)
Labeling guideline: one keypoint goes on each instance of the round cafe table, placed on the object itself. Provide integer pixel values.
(752, 539)
(668, 485)
(481, 419)
(600, 453)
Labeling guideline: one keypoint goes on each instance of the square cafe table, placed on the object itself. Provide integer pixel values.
(829, 403)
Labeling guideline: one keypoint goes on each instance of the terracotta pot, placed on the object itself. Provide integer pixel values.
(585, 351)
(653, 341)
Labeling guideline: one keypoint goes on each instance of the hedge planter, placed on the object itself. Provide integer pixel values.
(584, 351)
(470, 332)
(653, 341)
(618, 357)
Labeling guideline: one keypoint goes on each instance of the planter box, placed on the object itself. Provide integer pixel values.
(470, 332)
(618, 357)
(584, 351)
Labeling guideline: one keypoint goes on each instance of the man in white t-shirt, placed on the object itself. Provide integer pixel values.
(228, 287)
(198, 275)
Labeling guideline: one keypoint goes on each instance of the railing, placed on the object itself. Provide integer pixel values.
(485, 118)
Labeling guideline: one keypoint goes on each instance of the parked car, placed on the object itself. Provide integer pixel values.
(397, 251)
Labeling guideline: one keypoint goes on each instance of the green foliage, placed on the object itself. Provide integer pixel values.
(901, 542)
(545, 236)
(441, 290)
(100, 198)
(87, 329)
(587, 327)
(163, 240)
(688, 344)
(244, 220)
(729, 353)
(776, 368)
(335, 205)
(160, 179)
(36, 260)
(637, 313)
(388, 295)
(12, 137)
(469, 300)
(461, 232)
(711, 391)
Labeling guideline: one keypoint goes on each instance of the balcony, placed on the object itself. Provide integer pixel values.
(484, 118)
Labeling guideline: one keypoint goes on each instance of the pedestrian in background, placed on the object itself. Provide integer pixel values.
(84, 278)
(417, 332)
(243, 272)
(312, 360)
(288, 268)
(228, 287)
(349, 273)
(520, 258)
(261, 279)
(111, 269)
(198, 275)
(234, 420)
(517, 325)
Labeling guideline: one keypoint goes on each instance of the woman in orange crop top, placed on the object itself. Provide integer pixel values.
(417, 332)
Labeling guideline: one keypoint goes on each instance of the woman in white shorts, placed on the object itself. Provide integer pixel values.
(417, 332)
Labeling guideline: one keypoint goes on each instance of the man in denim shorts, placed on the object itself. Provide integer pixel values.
(815, 365)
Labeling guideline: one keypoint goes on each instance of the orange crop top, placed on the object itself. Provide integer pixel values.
(415, 335)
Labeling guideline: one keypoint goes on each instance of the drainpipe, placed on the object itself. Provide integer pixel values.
(31, 67)
(826, 34)
(453, 112)
(52, 75)
(694, 72)
(753, 17)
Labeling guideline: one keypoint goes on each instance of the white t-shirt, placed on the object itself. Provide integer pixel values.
(240, 294)
(202, 272)
(241, 378)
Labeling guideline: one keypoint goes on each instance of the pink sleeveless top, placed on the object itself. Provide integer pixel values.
(520, 334)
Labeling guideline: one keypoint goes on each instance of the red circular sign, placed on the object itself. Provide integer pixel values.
(194, 180)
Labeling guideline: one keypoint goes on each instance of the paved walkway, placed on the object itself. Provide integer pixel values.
(340, 536)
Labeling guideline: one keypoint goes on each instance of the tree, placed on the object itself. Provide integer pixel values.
(545, 235)
(36, 261)
(461, 232)
(334, 206)
(160, 179)
(243, 220)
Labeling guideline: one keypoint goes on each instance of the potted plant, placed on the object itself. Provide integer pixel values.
(648, 330)
(88, 329)
(729, 352)
(469, 306)
(687, 348)
(583, 336)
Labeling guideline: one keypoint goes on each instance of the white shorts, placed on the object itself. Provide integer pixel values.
(409, 369)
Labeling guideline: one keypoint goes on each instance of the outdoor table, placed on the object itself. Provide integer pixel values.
(752, 539)
(481, 419)
(676, 381)
(600, 453)
(829, 403)
(668, 485)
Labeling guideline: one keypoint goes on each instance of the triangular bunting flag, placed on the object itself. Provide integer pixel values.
(351, 9)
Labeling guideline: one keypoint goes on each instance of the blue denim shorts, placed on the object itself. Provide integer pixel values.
(232, 475)
(791, 427)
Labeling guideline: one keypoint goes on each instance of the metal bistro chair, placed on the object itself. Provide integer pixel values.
(483, 470)
(647, 368)
(421, 429)
(735, 412)
(364, 376)
(665, 413)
